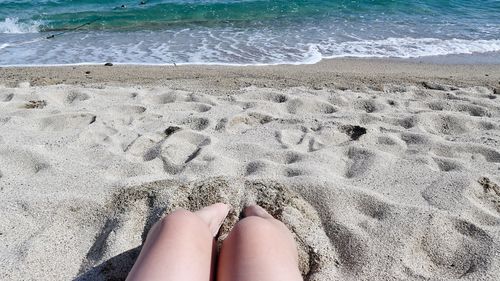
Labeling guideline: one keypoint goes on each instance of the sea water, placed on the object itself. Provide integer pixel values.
(242, 32)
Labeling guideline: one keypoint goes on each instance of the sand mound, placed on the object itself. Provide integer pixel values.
(132, 211)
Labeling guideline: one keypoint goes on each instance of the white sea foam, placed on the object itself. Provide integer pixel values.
(12, 25)
(407, 47)
(225, 49)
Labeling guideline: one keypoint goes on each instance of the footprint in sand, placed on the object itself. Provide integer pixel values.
(368, 105)
(291, 137)
(309, 106)
(176, 148)
(75, 97)
(183, 147)
(6, 97)
(69, 121)
(445, 124)
(19, 162)
(450, 248)
(466, 151)
(448, 165)
(163, 98)
(473, 110)
(132, 211)
(186, 106)
(128, 109)
(300, 139)
(255, 167)
(244, 122)
(360, 161)
(196, 123)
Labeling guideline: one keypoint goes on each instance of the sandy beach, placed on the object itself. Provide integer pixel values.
(382, 169)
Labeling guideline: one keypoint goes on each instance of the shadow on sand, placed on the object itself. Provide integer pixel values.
(114, 269)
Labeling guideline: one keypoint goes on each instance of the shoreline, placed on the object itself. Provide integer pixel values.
(488, 58)
(332, 72)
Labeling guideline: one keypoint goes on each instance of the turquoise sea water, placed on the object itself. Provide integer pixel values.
(241, 32)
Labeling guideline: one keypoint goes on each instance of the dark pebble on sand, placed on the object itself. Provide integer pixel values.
(108, 64)
(172, 129)
(354, 132)
(87, 72)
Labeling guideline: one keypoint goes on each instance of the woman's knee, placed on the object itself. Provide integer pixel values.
(182, 220)
(266, 238)
(258, 228)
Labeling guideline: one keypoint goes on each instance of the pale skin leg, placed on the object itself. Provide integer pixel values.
(181, 246)
(258, 248)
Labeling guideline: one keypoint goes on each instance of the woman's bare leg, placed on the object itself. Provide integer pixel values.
(180, 246)
(258, 248)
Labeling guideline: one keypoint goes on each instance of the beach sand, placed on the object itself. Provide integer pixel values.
(383, 170)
